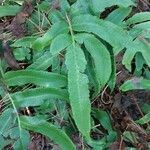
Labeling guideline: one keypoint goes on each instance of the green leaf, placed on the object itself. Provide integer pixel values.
(143, 26)
(6, 120)
(99, 144)
(146, 74)
(139, 45)
(43, 62)
(135, 32)
(129, 137)
(135, 83)
(14, 133)
(127, 58)
(78, 89)
(49, 130)
(64, 5)
(144, 120)
(56, 64)
(104, 119)
(9, 10)
(58, 28)
(104, 29)
(44, 6)
(146, 33)
(41, 78)
(141, 30)
(118, 15)
(145, 108)
(101, 58)
(24, 42)
(79, 38)
(8, 129)
(55, 16)
(80, 7)
(112, 79)
(90, 71)
(35, 97)
(139, 61)
(23, 140)
(59, 43)
(139, 17)
(4, 142)
(22, 53)
(100, 5)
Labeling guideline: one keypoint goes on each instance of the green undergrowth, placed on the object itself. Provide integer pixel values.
(69, 54)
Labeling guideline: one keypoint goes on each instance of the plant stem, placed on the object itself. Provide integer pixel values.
(71, 30)
(1, 69)
(18, 120)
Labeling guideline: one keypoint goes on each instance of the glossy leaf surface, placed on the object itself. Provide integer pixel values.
(41, 78)
(36, 96)
(54, 133)
(78, 88)
(104, 29)
(135, 83)
(101, 59)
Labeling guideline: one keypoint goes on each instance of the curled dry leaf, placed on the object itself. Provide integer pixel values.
(55, 4)
(117, 145)
(17, 27)
(10, 59)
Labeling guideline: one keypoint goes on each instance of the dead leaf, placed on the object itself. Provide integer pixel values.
(17, 26)
(10, 59)
(117, 146)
